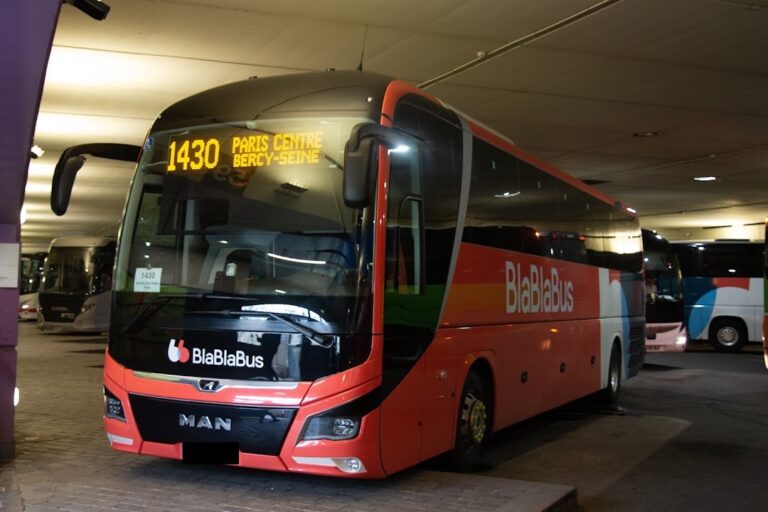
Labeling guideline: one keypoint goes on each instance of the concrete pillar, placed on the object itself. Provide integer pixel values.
(26, 34)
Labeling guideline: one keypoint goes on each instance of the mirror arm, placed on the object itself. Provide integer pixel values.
(389, 137)
(72, 160)
(359, 159)
(124, 152)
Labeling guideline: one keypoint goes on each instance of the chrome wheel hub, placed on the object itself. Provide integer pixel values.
(475, 417)
(614, 377)
(727, 336)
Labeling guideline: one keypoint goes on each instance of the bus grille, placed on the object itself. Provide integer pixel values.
(636, 348)
(259, 430)
(60, 308)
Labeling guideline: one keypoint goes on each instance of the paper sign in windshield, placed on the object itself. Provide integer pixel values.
(147, 280)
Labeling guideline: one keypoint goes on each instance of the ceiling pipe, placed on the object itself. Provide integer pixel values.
(483, 57)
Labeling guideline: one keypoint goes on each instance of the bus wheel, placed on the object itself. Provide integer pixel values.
(472, 427)
(610, 394)
(727, 335)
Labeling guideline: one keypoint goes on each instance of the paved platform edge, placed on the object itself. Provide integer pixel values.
(10, 496)
(531, 496)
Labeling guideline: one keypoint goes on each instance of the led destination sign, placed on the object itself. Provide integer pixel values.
(248, 151)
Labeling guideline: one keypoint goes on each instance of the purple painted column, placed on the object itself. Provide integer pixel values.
(26, 34)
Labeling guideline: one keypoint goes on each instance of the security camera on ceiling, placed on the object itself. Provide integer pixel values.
(96, 9)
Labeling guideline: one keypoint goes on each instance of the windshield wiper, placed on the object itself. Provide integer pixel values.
(157, 303)
(160, 301)
(315, 337)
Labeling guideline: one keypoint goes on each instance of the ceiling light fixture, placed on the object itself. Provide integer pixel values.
(36, 151)
(705, 178)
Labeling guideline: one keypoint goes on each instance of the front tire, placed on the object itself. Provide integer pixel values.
(727, 335)
(472, 426)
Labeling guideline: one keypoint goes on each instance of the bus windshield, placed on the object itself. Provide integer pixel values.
(31, 271)
(237, 238)
(663, 284)
(81, 271)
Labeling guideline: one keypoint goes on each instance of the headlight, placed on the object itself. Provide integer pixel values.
(113, 407)
(342, 422)
(334, 428)
(87, 307)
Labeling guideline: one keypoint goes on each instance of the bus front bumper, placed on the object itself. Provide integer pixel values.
(177, 428)
(665, 338)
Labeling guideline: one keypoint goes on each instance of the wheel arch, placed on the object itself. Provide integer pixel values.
(728, 318)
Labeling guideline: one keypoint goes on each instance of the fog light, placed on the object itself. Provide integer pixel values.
(349, 464)
(113, 439)
(681, 340)
(113, 407)
(334, 428)
(345, 464)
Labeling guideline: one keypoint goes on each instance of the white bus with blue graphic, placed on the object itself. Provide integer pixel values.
(723, 290)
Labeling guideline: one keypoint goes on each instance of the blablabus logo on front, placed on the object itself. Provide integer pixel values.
(216, 357)
(531, 289)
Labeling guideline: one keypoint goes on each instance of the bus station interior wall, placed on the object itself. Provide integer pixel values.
(28, 28)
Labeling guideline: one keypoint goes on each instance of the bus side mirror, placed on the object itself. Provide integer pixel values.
(359, 170)
(63, 180)
(360, 160)
(72, 160)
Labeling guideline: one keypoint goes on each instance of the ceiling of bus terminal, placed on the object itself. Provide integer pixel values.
(695, 71)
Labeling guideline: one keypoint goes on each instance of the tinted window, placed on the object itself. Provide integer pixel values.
(514, 205)
(721, 260)
(494, 213)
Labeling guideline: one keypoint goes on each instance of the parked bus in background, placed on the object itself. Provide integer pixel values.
(664, 331)
(30, 274)
(76, 286)
(723, 292)
(765, 296)
(334, 273)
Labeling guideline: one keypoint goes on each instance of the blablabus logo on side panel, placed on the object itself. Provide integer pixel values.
(216, 357)
(532, 289)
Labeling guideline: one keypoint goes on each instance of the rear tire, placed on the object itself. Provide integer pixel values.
(472, 425)
(727, 335)
(610, 394)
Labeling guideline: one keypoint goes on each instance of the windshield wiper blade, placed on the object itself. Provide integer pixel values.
(314, 336)
(157, 303)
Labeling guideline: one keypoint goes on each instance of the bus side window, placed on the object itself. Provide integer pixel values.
(408, 276)
(405, 248)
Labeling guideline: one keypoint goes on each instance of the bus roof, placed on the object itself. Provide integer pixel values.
(328, 91)
(280, 94)
(82, 241)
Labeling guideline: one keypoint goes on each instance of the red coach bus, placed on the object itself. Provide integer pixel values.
(336, 273)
